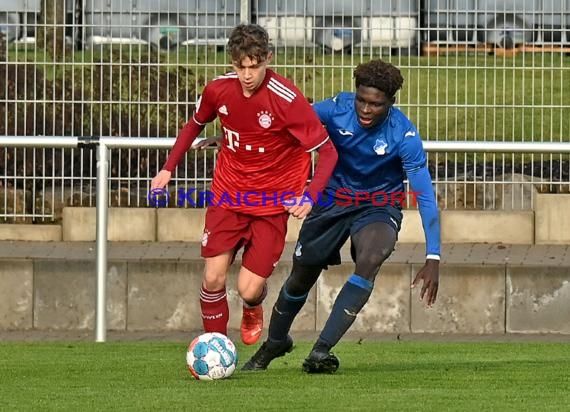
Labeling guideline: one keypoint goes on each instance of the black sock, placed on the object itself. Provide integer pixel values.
(283, 314)
(349, 302)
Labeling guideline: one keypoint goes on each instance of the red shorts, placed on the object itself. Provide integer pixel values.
(262, 237)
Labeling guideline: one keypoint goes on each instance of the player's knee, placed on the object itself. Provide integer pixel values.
(214, 281)
(295, 288)
(368, 262)
(301, 279)
(250, 295)
(247, 296)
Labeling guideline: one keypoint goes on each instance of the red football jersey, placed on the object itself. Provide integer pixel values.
(264, 156)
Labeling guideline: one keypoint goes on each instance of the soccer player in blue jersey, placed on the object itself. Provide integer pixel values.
(378, 147)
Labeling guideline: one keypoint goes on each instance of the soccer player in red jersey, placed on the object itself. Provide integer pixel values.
(269, 131)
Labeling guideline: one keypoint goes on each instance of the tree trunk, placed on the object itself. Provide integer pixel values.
(50, 34)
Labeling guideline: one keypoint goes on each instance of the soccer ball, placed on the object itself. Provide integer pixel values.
(211, 356)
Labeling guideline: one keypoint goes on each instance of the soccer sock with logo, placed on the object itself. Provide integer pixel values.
(284, 312)
(350, 300)
(215, 311)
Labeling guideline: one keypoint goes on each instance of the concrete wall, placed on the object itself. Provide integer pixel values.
(477, 296)
(158, 295)
(552, 220)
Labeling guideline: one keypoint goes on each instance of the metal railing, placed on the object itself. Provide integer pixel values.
(105, 144)
(36, 184)
(482, 71)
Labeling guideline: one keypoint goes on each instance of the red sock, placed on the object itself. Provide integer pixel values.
(215, 311)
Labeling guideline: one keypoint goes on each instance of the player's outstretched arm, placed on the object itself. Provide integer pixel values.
(160, 180)
(183, 142)
(429, 275)
(421, 183)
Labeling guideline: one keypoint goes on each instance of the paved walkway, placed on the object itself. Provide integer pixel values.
(452, 254)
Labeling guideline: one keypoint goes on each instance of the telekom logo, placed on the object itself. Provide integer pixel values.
(232, 142)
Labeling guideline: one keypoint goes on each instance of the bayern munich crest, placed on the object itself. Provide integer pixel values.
(265, 118)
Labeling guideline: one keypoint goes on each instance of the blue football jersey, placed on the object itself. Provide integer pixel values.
(370, 159)
(378, 159)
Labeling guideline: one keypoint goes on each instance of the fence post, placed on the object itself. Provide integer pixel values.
(101, 246)
(245, 11)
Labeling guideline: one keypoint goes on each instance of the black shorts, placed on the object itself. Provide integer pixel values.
(328, 227)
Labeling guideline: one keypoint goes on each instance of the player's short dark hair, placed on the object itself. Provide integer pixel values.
(381, 75)
(248, 40)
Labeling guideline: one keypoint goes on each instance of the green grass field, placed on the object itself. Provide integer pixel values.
(373, 376)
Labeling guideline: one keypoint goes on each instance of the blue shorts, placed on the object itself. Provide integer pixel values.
(328, 227)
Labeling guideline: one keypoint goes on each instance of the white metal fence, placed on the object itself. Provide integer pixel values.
(474, 71)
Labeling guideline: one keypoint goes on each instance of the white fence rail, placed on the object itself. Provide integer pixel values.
(36, 183)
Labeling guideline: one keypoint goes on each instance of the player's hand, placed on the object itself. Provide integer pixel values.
(200, 144)
(429, 274)
(160, 180)
(300, 208)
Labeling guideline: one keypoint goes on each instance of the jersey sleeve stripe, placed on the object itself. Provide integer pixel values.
(281, 90)
(196, 121)
(280, 94)
(280, 85)
(319, 145)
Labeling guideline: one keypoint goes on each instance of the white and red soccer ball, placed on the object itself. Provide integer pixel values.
(211, 356)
